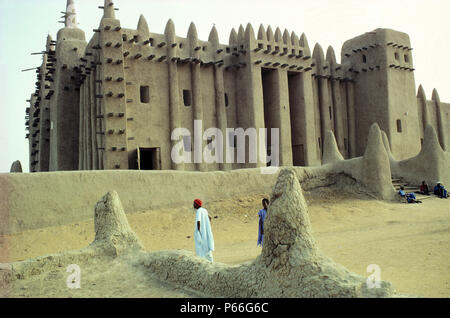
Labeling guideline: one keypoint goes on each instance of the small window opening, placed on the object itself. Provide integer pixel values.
(228, 50)
(261, 46)
(124, 37)
(320, 142)
(204, 49)
(364, 59)
(331, 113)
(399, 126)
(181, 45)
(406, 58)
(187, 98)
(227, 102)
(397, 57)
(145, 94)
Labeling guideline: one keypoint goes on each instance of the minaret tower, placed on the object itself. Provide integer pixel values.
(114, 97)
(64, 106)
(385, 90)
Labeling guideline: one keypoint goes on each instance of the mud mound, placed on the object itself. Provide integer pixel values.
(290, 264)
(113, 234)
(16, 167)
(113, 237)
(331, 152)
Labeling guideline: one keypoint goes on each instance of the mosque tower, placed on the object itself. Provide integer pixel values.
(64, 106)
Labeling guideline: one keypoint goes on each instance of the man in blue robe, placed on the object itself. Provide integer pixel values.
(262, 216)
(203, 237)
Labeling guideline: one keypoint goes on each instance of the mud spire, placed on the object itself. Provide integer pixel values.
(262, 33)
(331, 152)
(71, 15)
(241, 34)
(109, 10)
(233, 37)
(214, 36)
(169, 31)
(250, 33)
(192, 33)
(376, 174)
(143, 25)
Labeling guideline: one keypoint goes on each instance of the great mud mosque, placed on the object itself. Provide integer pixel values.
(113, 102)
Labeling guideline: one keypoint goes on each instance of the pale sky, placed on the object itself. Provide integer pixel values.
(24, 25)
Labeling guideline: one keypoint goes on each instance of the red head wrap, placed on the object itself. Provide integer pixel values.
(199, 202)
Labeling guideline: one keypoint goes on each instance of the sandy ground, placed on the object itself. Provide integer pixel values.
(409, 242)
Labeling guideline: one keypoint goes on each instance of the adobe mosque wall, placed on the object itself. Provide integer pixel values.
(113, 103)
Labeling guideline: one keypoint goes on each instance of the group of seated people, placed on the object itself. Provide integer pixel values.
(439, 190)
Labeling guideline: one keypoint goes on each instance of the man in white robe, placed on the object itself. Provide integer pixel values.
(203, 237)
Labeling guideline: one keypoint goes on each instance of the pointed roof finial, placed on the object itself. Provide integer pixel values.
(143, 25)
(169, 31)
(233, 37)
(262, 36)
(241, 34)
(421, 93)
(286, 37)
(109, 10)
(249, 33)
(435, 96)
(278, 35)
(49, 41)
(304, 41)
(270, 36)
(192, 32)
(318, 53)
(294, 39)
(214, 36)
(71, 15)
(331, 56)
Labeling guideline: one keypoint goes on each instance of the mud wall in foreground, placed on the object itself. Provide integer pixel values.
(48, 199)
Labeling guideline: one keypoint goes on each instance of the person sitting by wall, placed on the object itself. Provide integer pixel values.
(440, 191)
(410, 197)
(424, 189)
(402, 192)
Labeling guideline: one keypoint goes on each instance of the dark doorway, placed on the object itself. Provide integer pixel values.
(148, 159)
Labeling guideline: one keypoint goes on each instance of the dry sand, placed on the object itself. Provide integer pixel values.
(410, 243)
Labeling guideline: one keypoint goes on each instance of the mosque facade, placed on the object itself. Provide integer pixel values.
(113, 102)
